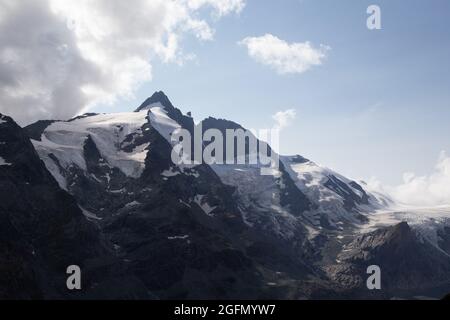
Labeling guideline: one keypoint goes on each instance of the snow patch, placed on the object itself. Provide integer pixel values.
(183, 238)
(178, 237)
(259, 198)
(117, 191)
(184, 203)
(170, 173)
(198, 199)
(4, 163)
(426, 221)
(132, 204)
(89, 214)
(65, 140)
(161, 121)
(311, 179)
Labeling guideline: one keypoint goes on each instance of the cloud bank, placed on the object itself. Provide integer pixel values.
(282, 56)
(59, 57)
(429, 190)
(421, 191)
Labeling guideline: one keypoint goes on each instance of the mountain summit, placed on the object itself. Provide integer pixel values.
(157, 97)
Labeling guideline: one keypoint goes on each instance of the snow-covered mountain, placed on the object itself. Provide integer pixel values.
(43, 231)
(335, 197)
(211, 231)
(301, 190)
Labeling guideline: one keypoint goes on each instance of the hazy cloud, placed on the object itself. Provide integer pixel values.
(221, 7)
(429, 190)
(58, 57)
(282, 56)
(421, 191)
(284, 119)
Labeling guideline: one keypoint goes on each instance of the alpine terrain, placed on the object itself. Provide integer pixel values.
(101, 191)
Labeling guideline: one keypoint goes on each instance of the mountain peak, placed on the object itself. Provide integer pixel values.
(4, 118)
(157, 97)
(401, 230)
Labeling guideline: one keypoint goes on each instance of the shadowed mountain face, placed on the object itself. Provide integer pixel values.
(176, 230)
(42, 229)
(101, 191)
(409, 264)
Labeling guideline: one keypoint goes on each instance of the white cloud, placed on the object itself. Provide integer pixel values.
(422, 191)
(59, 57)
(429, 190)
(282, 56)
(221, 7)
(284, 119)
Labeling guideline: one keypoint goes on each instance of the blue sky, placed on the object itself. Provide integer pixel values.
(379, 105)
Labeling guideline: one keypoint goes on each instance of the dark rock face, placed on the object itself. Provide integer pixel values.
(171, 244)
(181, 232)
(290, 196)
(444, 239)
(220, 124)
(409, 264)
(86, 115)
(160, 97)
(351, 199)
(34, 131)
(299, 159)
(159, 228)
(42, 229)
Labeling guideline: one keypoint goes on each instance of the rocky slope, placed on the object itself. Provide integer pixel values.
(410, 265)
(178, 228)
(43, 230)
(108, 194)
